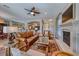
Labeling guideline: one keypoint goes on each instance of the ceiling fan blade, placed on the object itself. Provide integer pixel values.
(27, 9)
(28, 13)
(37, 12)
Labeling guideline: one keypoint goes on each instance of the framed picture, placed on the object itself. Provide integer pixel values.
(68, 14)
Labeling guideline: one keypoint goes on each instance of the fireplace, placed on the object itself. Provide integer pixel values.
(66, 37)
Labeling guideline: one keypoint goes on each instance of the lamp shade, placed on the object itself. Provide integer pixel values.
(10, 29)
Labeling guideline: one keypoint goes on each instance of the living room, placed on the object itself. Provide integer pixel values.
(36, 29)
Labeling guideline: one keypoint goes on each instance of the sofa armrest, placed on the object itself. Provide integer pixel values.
(27, 46)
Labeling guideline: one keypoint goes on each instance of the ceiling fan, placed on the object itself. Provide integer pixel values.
(33, 11)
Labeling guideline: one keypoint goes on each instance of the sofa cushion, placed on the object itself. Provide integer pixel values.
(26, 34)
(31, 38)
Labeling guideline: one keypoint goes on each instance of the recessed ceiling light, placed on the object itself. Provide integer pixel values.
(6, 6)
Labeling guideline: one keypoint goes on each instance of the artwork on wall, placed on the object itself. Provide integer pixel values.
(68, 14)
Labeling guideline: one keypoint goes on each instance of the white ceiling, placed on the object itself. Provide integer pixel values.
(16, 10)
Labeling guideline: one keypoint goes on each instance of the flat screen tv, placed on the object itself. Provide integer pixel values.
(68, 14)
(66, 37)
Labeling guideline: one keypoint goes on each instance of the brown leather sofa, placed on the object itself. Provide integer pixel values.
(27, 40)
(26, 34)
(29, 37)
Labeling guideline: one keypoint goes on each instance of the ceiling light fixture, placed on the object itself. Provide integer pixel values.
(32, 13)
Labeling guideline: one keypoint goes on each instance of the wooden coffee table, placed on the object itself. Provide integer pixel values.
(43, 47)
